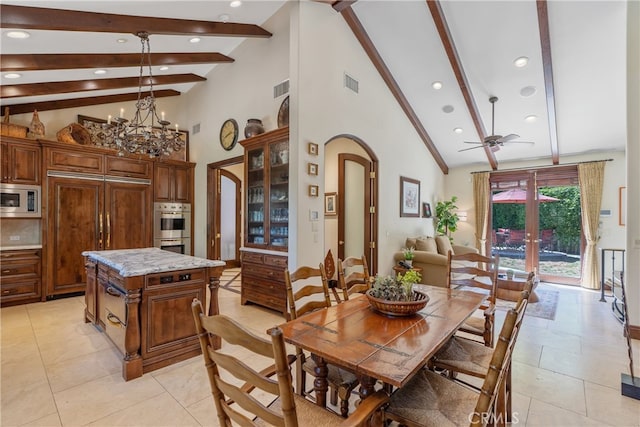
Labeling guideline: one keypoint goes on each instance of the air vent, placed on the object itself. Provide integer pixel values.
(350, 83)
(281, 89)
(196, 128)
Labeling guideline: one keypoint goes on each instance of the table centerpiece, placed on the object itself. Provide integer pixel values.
(395, 296)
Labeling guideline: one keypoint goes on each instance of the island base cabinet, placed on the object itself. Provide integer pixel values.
(148, 318)
(167, 323)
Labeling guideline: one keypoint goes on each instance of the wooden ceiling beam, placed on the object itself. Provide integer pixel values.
(547, 67)
(360, 33)
(35, 89)
(83, 102)
(447, 41)
(340, 5)
(69, 61)
(35, 18)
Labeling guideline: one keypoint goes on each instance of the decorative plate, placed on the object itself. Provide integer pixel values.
(283, 113)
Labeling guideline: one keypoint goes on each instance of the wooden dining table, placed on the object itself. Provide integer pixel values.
(375, 346)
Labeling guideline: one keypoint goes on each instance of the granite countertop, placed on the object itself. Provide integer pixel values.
(138, 262)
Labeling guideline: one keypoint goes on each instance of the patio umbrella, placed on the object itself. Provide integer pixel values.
(519, 196)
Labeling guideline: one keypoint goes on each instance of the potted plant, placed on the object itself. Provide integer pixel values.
(446, 217)
(395, 296)
(408, 255)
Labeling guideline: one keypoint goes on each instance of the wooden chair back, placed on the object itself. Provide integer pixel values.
(355, 281)
(316, 292)
(475, 271)
(227, 394)
(499, 367)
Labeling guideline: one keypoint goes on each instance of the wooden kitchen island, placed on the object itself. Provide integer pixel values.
(141, 298)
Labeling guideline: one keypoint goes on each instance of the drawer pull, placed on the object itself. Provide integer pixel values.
(6, 271)
(7, 291)
(113, 292)
(113, 319)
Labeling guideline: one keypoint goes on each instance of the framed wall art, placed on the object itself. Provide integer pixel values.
(426, 210)
(622, 205)
(331, 204)
(312, 169)
(409, 197)
(313, 191)
(312, 148)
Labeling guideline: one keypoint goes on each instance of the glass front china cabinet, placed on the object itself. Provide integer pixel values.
(266, 233)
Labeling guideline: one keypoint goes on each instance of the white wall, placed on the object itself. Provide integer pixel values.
(326, 109)
(633, 163)
(240, 90)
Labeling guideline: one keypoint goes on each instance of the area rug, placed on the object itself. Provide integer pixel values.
(545, 308)
(230, 280)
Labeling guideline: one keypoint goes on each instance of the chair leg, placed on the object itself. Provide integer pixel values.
(334, 396)
(488, 331)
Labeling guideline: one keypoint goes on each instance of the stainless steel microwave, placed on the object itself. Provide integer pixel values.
(20, 201)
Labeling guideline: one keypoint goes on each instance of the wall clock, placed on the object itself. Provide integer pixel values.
(229, 134)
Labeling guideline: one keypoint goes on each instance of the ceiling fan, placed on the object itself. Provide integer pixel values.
(493, 141)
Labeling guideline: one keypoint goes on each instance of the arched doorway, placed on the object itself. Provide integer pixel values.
(351, 178)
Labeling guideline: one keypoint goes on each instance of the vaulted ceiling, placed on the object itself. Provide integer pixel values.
(573, 83)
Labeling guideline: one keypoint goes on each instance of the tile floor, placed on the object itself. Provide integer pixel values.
(59, 371)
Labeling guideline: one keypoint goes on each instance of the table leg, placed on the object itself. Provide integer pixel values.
(367, 386)
(320, 384)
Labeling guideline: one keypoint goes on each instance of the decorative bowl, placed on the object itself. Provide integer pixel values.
(399, 308)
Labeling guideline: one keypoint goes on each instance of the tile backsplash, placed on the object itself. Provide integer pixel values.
(19, 232)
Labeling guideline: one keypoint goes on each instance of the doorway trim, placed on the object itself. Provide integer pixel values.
(213, 189)
(373, 188)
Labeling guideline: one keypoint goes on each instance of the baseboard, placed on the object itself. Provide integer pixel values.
(634, 332)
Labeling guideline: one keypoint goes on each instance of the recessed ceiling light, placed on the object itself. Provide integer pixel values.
(528, 91)
(521, 62)
(224, 17)
(195, 40)
(18, 35)
(164, 68)
(436, 85)
(122, 40)
(235, 3)
(448, 109)
(100, 72)
(12, 76)
(531, 118)
(458, 130)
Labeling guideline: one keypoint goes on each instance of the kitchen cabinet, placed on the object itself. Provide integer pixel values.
(20, 276)
(266, 233)
(141, 299)
(92, 214)
(95, 200)
(173, 181)
(21, 161)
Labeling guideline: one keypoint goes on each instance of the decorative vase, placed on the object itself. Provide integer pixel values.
(36, 128)
(409, 262)
(254, 127)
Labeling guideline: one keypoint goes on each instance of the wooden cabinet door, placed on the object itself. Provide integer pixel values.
(182, 184)
(21, 163)
(162, 178)
(128, 216)
(73, 225)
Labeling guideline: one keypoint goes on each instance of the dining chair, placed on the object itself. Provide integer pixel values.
(460, 355)
(476, 272)
(431, 399)
(232, 380)
(353, 276)
(312, 294)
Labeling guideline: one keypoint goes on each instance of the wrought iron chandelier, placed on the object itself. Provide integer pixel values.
(146, 133)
